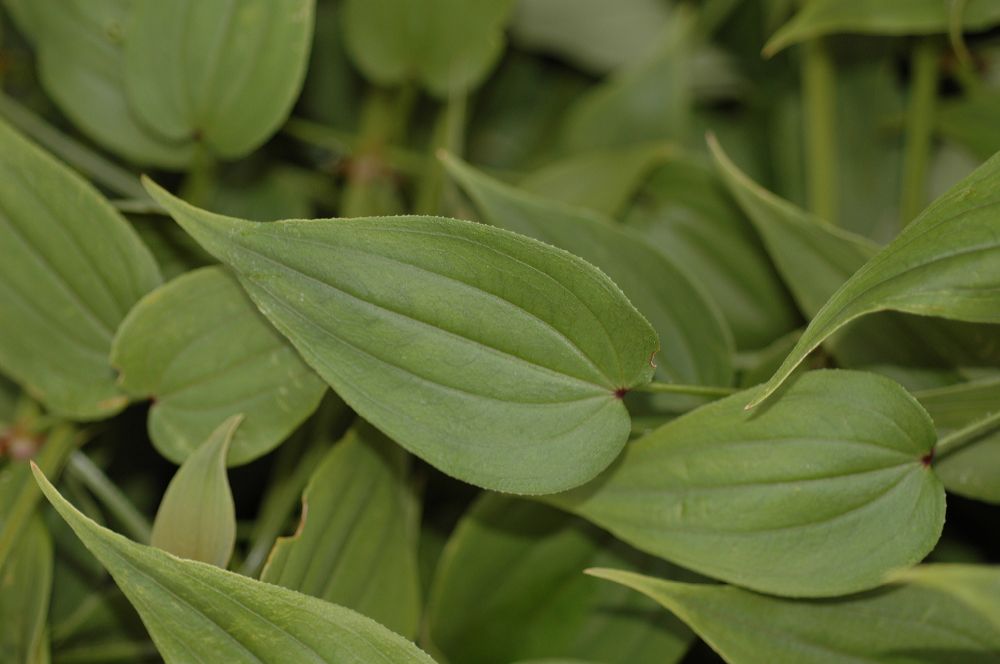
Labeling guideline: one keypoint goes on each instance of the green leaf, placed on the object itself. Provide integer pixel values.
(197, 518)
(648, 101)
(447, 46)
(544, 606)
(821, 493)
(81, 65)
(945, 263)
(602, 180)
(199, 347)
(970, 121)
(485, 353)
(594, 34)
(70, 269)
(25, 585)
(356, 545)
(972, 471)
(886, 17)
(222, 73)
(695, 344)
(930, 614)
(197, 612)
(684, 211)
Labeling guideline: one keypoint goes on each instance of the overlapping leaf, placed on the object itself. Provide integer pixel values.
(199, 347)
(695, 343)
(973, 470)
(197, 612)
(197, 518)
(945, 263)
(222, 73)
(821, 493)
(932, 613)
(545, 607)
(82, 67)
(70, 269)
(356, 545)
(886, 17)
(487, 354)
(684, 212)
(448, 46)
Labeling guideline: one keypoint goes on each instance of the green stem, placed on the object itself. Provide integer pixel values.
(199, 185)
(819, 101)
(692, 390)
(99, 169)
(449, 134)
(117, 503)
(919, 127)
(383, 119)
(19, 494)
(342, 142)
(968, 434)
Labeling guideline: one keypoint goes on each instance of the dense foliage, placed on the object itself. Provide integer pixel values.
(499, 331)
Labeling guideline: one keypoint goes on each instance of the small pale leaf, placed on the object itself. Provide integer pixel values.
(197, 518)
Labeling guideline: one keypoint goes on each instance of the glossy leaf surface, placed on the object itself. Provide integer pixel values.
(487, 354)
(197, 612)
(200, 349)
(197, 518)
(356, 544)
(695, 343)
(447, 46)
(823, 492)
(887, 17)
(545, 607)
(931, 613)
(222, 73)
(70, 269)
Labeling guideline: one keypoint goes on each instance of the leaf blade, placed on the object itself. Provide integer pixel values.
(196, 610)
(756, 498)
(197, 517)
(525, 363)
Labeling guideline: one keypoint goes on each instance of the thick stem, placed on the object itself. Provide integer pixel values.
(819, 101)
(110, 496)
(346, 143)
(919, 127)
(967, 435)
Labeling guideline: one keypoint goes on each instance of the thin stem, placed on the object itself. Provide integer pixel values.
(693, 390)
(91, 164)
(117, 503)
(820, 94)
(200, 183)
(919, 126)
(449, 134)
(968, 434)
